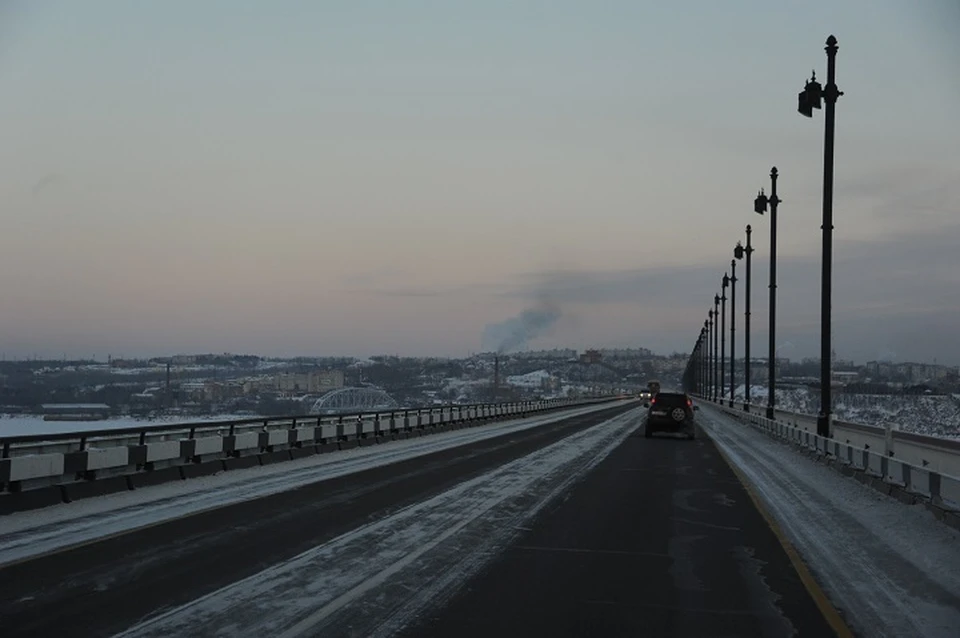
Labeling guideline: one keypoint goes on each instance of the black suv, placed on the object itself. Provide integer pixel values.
(670, 412)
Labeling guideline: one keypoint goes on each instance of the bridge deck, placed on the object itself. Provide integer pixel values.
(661, 539)
(552, 527)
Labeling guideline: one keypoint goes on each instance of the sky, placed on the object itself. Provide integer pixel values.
(360, 177)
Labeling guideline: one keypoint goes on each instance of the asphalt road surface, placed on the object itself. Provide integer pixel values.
(106, 586)
(660, 539)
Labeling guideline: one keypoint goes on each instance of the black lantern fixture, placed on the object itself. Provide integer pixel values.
(811, 97)
(760, 203)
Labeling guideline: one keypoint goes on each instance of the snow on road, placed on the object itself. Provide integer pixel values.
(891, 569)
(34, 533)
(373, 580)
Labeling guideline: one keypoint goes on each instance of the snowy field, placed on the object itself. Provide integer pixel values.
(891, 569)
(929, 415)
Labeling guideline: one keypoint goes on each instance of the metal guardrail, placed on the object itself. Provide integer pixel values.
(929, 452)
(910, 482)
(135, 456)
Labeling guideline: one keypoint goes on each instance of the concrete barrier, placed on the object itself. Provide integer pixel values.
(99, 459)
(24, 468)
(246, 441)
(162, 451)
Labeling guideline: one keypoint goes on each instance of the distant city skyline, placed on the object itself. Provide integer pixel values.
(360, 178)
(105, 359)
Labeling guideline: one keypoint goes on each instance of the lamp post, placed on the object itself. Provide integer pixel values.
(689, 379)
(703, 359)
(700, 363)
(740, 252)
(733, 325)
(708, 391)
(809, 99)
(716, 349)
(706, 363)
(723, 333)
(760, 205)
(693, 364)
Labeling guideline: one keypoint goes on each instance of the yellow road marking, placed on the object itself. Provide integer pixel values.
(830, 613)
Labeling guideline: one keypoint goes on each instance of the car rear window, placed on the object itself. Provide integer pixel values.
(671, 400)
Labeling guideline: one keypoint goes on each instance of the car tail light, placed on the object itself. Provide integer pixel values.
(689, 403)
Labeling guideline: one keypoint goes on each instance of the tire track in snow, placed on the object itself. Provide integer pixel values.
(30, 534)
(372, 580)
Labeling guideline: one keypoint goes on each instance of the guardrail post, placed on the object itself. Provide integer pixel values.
(935, 498)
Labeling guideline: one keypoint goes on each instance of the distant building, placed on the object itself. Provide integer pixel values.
(314, 382)
(75, 411)
(533, 380)
(845, 377)
(591, 356)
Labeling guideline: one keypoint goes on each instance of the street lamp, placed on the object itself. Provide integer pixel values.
(733, 324)
(809, 99)
(689, 379)
(705, 358)
(760, 205)
(716, 343)
(708, 391)
(739, 252)
(700, 368)
(723, 332)
(691, 371)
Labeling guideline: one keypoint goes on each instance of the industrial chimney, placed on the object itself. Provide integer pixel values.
(496, 376)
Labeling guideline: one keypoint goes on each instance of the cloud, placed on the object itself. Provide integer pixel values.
(900, 294)
(629, 286)
(471, 289)
(905, 192)
(46, 183)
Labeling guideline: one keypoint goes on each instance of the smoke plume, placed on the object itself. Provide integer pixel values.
(516, 332)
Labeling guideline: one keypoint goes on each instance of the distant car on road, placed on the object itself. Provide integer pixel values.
(670, 412)
(653, 387)
(645, 395)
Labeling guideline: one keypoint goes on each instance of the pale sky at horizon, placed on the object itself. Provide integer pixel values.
(356, 178)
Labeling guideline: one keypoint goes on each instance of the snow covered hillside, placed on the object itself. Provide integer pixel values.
(930, 415)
